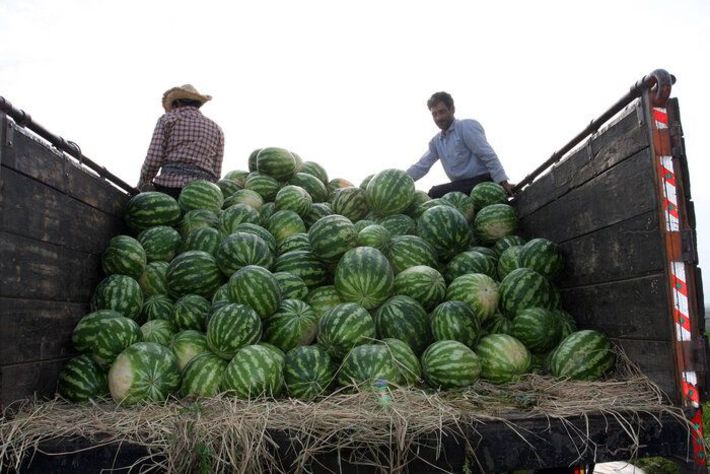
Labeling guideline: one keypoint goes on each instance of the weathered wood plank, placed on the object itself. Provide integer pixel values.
(55, 217)
(625, 191)
(35, 330)
(632, 309)
(610, 147)
(23, 381)
(656, 359)
(629, 249)
(38, 270)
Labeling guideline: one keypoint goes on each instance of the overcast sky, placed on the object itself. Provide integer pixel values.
(345, 83)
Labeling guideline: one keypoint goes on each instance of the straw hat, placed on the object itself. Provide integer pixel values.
(186, 91)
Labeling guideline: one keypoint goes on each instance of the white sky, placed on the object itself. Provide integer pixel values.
(345, 83)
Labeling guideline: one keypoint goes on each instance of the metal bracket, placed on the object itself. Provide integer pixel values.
(689, 252)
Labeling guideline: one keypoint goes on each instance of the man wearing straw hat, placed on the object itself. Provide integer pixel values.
(186, 145)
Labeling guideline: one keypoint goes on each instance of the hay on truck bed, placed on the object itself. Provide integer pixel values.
(224, 434)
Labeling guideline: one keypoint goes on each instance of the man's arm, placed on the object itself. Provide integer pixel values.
(422, 167)
(156, 153)
(475, 139)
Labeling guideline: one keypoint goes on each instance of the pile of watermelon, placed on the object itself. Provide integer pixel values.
(281, 282)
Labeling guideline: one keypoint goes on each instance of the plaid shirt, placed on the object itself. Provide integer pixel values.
(186, 138)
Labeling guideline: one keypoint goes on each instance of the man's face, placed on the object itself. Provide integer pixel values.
(442, 115)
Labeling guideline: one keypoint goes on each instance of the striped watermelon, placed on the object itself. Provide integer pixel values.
(450, 364)
(337, 184)
(202, 376)
(144, 372)
(583, 355)
(263, 184)
(254, 371)
(240, 249)
(151, 209)
(299, 241)
(153, 281)
(206, 239)
(285, 223)
(525, 288)
(479, 291)
(238, 176)
(196, 219)
(120, 293)
(292, 286)
(446, 229)
(343, 327)
(314, 169)
(488, 193)
(293, 198)
(503, 358)
(410, 250)
(87, 329)
(470, 261)
(506, 242)
(255, 229)
(219, 299)
(455, 321)
(419, 198)
(188, 344)
(376, 236)
(278, 163)
(229, 187)
(124, 255)
(308, 372)
(82, 379)
(368, 366)
(161, 243)
(113, 335)
(323, 298)
(158, 330)
(350, 202)
(305, 265)
(567, 323)
(201, 194)
(191, 312)
(193, 272)
(462, 202)
(389, 192)
(538, 328)
(498, 324)
(403, 318)
(543, 256)
(487, 251)
(331, 236)
(293, 324)
(244, 196)
(237, 214)
(494, 222)
(231, 327)
(508, 261)
(426, 205)
(366, 181)
(423, 284)
(314, 186)
(251, 162)
(364, 276)
(362, 223)
(157, 307)
(405, 360)
(257, 288)
(399, 224)
(318, 210)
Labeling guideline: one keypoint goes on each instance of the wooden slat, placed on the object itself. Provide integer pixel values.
(35, 210)
(38, 270)
(621, 141)
(35, 330)
(23, 381)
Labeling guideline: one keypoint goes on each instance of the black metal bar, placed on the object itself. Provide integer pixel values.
(659, 78)
(23, 119)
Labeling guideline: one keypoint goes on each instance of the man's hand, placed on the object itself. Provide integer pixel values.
(508, 187)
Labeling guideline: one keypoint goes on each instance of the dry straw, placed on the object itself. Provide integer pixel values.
(223, 434)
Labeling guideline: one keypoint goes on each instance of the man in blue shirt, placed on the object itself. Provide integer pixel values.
(464, 152)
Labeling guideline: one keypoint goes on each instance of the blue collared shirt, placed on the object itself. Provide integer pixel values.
(464, 153)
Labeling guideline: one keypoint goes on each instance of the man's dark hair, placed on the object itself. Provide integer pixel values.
(443, 97)
(186, 103)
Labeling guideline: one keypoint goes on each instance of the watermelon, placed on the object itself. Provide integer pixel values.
(308, 372)
(292, 286)
(197, 219)
(503, 358)
(151, 209)
(104, 334)
(583, 355)
(257, 288)
(543, 256)
(336, 184)
(157, 307)
(253, 372)
(317, 211)
(470, 261)
(260, 231)
(398, 224)
(450, 364)
(244, 196)
(293, 198)
(494, 222)
(538, 328)
(487, 251)
(201, 194)
(202, 376)
(403, 318)
(508, 261)
(229, 187)
(82, 379)
(238, 176)
(331, 236)
(389, 192)
(206, 239)
(293, 324)
(405, 360)
(158, 330)
(366, 181)
(498, 324)
(364, 276)
(219, 299)
(299, 241)
(285, 223)
(265, 185)
(87, 329)
(350, 202)
(235, 215)
(376, 236)
(455, 321)
(422, 283)
(120, 293)
(479, 291)
(144, 372)
(240, 249)
(410, 250)
(426, 205)
(161, 243)
(193, 272)
(322, 298)
(231, 327)
(462, 202)
(343, 327)
(446, 229)
(313, 186)
(506, 242)
(191, 312)
(188, 344)
(304, 264)
(278, 163)
(362, 223)
(314, 169)
(488, 193)
(566, 322)
(419, 198)
(525, 288)
(367, 366)
(252, 161)
(153, 281)
(124, 255)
